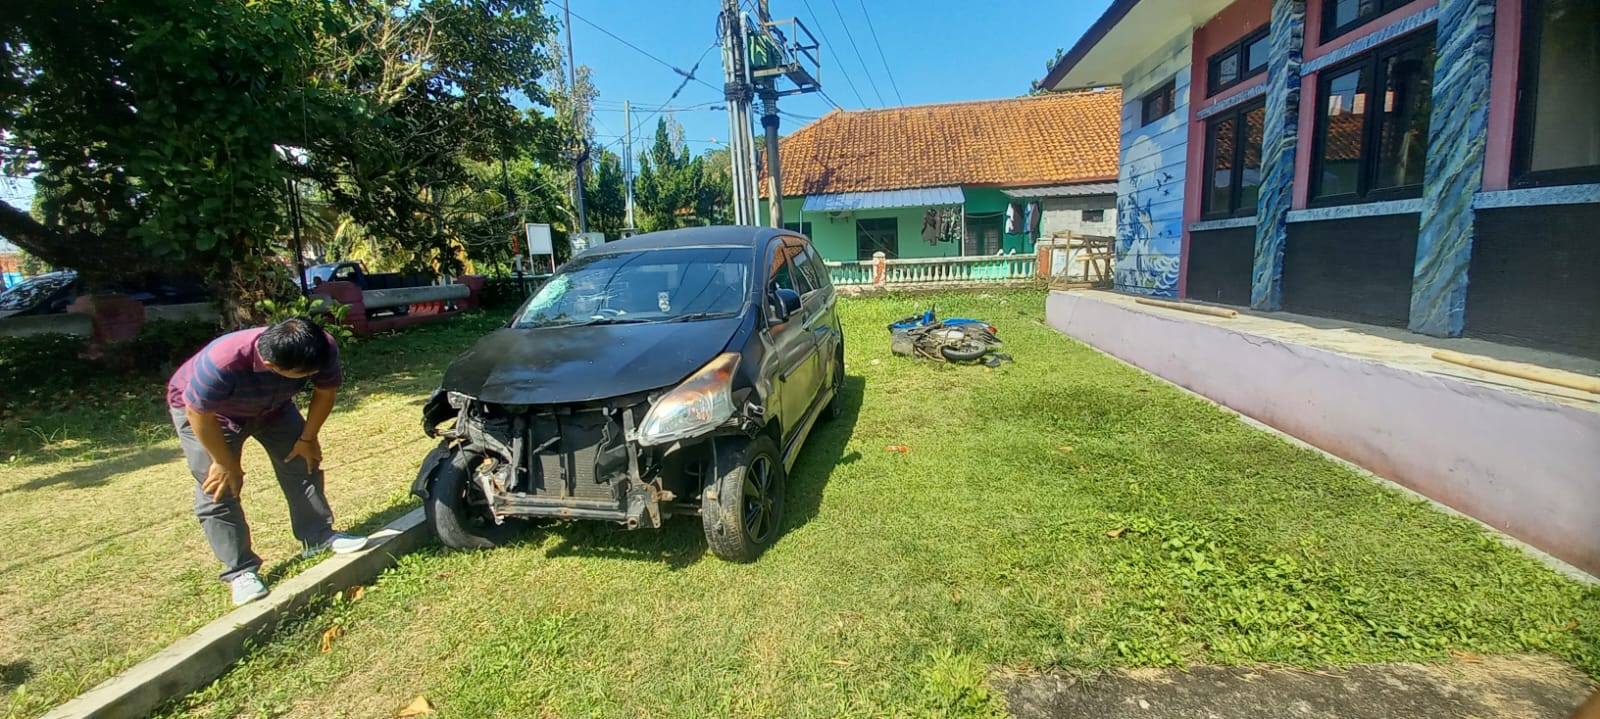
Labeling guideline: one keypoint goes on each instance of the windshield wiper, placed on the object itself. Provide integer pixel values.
(692, 316)
(609, 321)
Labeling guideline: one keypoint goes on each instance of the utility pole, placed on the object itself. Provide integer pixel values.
(582, 153)
(738, 92)
(769, 121)
(627, 161)
(754, 60)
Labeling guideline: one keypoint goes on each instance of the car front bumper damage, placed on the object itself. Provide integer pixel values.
(570, 462)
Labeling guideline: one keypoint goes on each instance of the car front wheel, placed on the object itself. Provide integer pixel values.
(459, 513)
(742, 509)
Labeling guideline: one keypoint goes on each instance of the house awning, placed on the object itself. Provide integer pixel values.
(1080, 190)
(923, 197)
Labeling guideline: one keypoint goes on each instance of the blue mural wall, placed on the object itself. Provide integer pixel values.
(1150, 185)
(1458, 129)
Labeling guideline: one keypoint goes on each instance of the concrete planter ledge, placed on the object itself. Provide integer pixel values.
(192, 662)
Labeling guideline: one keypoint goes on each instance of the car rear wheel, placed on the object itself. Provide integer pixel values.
(835, 408)
(742, 509)
(458, 512)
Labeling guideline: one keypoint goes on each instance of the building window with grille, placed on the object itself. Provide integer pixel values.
(803, 228)
(1158, 103)
(1233, 161)
(1371, 140)
(1342, 16)
(1238, 62)
(1094, 215)
(1558, 126)
(878, 235)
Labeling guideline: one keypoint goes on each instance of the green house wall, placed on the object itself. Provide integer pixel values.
(835, 237)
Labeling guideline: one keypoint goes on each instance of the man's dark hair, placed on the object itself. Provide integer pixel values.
(296, 344)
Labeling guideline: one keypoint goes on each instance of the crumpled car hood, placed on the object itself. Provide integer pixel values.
(559, 365)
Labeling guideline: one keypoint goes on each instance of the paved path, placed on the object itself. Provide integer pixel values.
(1523, 687)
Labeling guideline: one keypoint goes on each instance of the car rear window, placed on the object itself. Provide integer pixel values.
(647, 286)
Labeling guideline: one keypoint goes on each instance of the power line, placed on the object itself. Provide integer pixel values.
(857, 50)
(824, 95)
(829, 43)
(687, 75)
(881, 56)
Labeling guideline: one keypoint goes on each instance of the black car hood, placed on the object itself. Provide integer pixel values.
(559, 365)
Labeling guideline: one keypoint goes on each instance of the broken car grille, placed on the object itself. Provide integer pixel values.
(575, 455)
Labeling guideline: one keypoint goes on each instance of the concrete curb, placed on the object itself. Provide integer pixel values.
(192, 662)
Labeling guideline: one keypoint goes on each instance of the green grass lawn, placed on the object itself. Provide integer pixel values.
(101, 560)
(1066, 512)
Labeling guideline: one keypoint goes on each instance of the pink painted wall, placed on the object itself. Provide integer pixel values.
(1234, 22)
(1522, 465)
(1503, 94)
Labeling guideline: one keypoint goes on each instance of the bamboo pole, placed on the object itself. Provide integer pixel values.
(1558, 378)
(1197, 309)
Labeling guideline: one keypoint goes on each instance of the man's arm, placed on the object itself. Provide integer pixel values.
(317, 413)
(307, 446)
(225, 475)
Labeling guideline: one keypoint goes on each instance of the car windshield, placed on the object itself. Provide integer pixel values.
(648, 286)
(32, 292)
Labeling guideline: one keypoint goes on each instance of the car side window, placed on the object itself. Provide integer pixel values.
(803, 258)
(779, 273)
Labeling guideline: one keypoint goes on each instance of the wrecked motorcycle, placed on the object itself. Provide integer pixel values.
(955, 339)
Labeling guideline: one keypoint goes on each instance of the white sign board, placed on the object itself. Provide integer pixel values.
(539, 239)
(595, 239)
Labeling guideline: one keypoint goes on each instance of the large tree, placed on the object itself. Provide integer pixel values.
(156, 129)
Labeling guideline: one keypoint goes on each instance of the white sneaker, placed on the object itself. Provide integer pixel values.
(247, 588)
(339, 543)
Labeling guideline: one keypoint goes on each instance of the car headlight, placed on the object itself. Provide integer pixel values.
(696, 406)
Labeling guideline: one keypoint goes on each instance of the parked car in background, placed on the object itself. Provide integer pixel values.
(357, 274)
(54, 291)
(672, 373)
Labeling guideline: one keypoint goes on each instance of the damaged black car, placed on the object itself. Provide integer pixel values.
(672, 373)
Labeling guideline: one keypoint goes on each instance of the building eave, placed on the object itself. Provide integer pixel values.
(1125, 34)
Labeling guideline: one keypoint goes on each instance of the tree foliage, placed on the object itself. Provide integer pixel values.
(675, 188)
(155, 128)
(1036, 88)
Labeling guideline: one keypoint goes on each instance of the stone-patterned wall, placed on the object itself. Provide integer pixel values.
(1457, 131)
(1279, 140)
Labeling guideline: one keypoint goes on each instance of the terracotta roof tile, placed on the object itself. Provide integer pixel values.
(1014, 142)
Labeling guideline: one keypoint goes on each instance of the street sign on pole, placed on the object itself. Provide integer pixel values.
(539, 239)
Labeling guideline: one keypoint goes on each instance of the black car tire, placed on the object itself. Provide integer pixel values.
(742, 509)
(965, 350)
(835, 408)
(456, 522)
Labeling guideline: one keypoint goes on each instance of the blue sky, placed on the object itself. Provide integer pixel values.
(936, 51)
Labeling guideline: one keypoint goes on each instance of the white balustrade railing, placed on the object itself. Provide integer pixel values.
(934, 270)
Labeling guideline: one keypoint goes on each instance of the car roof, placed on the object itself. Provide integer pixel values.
(717, 236)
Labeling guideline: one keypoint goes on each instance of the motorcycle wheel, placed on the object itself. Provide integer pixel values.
(965, 350)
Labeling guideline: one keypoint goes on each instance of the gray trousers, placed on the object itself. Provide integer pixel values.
(223, 520)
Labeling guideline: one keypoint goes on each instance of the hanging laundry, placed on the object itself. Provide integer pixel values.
(1014, 219)
(932, 225)
(1034, 212)
(951, 229)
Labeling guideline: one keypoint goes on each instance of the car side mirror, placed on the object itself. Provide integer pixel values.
(786, 303)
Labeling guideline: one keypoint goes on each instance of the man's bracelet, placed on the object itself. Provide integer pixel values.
(304, 439)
